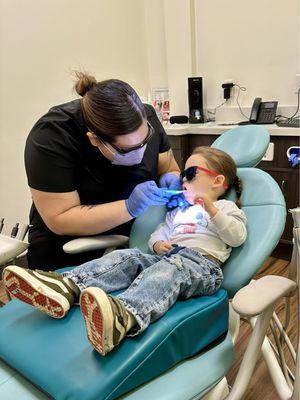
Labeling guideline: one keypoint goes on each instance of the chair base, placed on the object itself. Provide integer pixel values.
(219, 392)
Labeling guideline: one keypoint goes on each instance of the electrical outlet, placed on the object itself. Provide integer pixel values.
(269, 155)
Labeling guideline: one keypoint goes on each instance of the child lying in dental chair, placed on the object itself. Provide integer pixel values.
(189, 249)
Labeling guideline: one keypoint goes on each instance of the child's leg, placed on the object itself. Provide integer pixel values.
(114, 271)
(157, 288)
(55, 293)
(151, 294)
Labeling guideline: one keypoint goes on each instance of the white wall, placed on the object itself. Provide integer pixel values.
(150, 44)
(179, 53)
(41, 42)
(254, 42)
(156, 43)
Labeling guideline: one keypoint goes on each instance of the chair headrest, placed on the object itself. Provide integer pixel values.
(245, 144)
(259, 189)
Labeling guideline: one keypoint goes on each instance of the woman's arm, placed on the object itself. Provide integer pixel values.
(167, 163)
(65, 215)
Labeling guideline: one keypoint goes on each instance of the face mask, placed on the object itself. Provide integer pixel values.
(134, 157)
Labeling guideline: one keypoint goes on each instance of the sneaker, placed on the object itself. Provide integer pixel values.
(105, 317)
(46, 291)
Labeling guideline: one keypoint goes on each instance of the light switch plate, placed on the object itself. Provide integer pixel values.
(269, 155)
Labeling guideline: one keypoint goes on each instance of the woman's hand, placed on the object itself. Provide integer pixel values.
(206, 202)
(170, 181)
(144, 195)
(161, 247)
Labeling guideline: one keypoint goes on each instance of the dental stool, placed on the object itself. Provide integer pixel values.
(185, 354)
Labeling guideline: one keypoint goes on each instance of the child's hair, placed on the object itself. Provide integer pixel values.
(223, 163)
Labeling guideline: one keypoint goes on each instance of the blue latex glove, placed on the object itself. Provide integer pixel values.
(144, 195)
(178, 200)
(170, 180)
(293, 159)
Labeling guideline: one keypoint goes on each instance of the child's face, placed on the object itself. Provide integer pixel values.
(203, 182)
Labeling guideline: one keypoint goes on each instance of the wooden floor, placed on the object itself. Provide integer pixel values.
(261, 387)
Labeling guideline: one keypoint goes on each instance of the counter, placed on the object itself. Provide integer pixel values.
(213, 128)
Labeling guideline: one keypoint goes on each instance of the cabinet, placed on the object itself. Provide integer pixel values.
(183, 146)
(279, 168)
(180, 147)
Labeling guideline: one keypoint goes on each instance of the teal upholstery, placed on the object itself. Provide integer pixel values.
(184, 381)
(150, 364)
(246, 144)
(264, 206)
(74, 370)
(189, 379)
(13, 386)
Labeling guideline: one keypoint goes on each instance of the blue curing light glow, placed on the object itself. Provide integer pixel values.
(172, 192)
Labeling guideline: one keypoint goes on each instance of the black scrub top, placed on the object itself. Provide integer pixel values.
(59, 158)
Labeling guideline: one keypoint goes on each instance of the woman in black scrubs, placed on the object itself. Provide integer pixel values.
(93, 165)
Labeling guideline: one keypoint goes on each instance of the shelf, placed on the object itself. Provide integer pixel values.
(213, 128)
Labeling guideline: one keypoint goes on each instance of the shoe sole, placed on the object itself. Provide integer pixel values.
(98, 317)
(25, 287)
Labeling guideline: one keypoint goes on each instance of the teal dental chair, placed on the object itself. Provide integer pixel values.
(186, 354)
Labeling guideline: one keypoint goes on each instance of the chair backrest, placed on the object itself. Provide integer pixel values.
(246, 144)
(262, 202)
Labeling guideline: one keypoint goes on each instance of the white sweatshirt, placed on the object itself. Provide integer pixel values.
(194, 228)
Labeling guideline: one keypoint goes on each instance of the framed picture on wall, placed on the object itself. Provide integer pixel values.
(161, 103)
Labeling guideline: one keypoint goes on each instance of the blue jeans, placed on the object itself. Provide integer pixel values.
(153, 282)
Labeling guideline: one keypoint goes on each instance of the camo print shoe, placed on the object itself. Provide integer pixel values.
(105, 317)
(46, 291)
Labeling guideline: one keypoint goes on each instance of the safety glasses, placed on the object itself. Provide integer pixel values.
(126, 150)
(190, 173)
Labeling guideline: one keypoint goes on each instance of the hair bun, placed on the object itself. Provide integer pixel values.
(84, 82)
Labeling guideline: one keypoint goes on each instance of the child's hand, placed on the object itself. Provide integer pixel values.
(206, 202)
(161, 246)
(177, 200)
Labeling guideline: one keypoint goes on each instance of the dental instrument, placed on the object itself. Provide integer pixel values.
(14, 230)
(1, 224)
(23, 231)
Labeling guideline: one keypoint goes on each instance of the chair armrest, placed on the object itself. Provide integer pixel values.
(10, 248)
(81, 245)
(256, 297)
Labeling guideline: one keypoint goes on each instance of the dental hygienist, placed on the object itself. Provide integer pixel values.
(93, 164)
